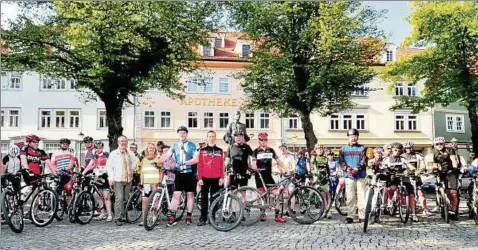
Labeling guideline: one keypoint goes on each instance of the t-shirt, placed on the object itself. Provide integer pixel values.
(288, 161)
(150, 170)
(442, 158)
(182, 152)
(34, 158)
(264, 158)
(239, 155)
(99, 161)
(302, 165)
(62, 159)
(333, 166)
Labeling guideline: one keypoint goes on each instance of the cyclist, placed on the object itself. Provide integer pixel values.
(169, 166)
(353, 162)
(318, 156)
(183, 153)
(11, 164)
(416, 162)
(139, 157)
(262, 160)
(303, 166)
(287, 159)
(89, 154)
(448, 174)
(374, 166)
(333, 168)
(396, 160)
(98, 165)
(151, 174)
(387, 150)
(31, 157)
(238, 156)
(63, 162)
(210, 173)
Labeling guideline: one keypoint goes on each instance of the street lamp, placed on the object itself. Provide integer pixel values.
(80, 136)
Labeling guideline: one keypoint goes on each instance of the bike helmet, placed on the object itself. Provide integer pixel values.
(99, 144)
(408, 144)
(397, 145)
(387, 146)
(87, 139)
(30, 138)
(439, 140)
(182, 128)
(65, 140)
(133, 145)
(353, 132)
(202, 142)
(14, 151)
(378, 150)
(319, 146)
(263, 135)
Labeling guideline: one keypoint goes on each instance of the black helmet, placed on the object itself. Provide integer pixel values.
(87, 139)
(353, 132)
(397, 145)
(182, 128)
(65, 140)
(99, 144)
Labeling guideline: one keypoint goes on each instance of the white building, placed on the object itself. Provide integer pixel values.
(51, 109)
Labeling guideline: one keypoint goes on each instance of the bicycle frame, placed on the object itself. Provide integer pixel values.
(284, 183)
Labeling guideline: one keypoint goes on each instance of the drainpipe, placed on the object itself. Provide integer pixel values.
(432, 113)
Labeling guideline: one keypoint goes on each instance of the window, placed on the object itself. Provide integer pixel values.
(208, 87)
(60, 117)
(246, 49)
(51, 146)
(411, 90)
(46, 82)
(454, 123)
(3, 118)
(206, 51)
(293, 122)
(165, 119)
(399, 90)
(54, 83)
(72, 84)
(61, 84)
(264, 120)
(224, 85)
(348, 121)
(359, 91)
(4, 146)
(250, 120)
(13, 118)
(405, 90)
(192, 84)
(193, 120)
(101, 119)
(406, 122)
(223, 120)
(69, 118)
(389, 55)
(208, 120)
(11, 80)
(149, 119)
(218, 43)
(4, 79)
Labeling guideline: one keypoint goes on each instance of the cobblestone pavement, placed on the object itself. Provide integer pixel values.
(429, 233)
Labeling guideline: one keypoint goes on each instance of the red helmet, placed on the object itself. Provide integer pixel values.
(313, 152)
(31, 138)
(263, 135)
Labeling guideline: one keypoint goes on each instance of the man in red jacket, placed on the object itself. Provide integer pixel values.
(210, 173)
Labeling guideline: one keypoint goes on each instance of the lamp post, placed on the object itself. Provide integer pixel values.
(80, 136)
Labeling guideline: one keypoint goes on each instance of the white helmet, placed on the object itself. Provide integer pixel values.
(387, 146)
(439, 140)
(14, 151)
(408, 144)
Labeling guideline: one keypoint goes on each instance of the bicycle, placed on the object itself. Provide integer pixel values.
(472, 201)
(322, 182)
(12, 211)
(134, 208)
(442, 198)
(374, 196)
(340, 199)
(305, 197)
(401, 197)
(229, 206)
(159, 203)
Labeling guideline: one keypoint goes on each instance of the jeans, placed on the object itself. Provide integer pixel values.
(355, 192)
(213, 185)
(121, 198)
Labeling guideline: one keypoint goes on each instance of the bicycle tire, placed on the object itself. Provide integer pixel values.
(249, 205)
(305, 205)
(340, 198)
(404, 197)
(446, 216)
(239, 208)
(5, 210)
(78, 207)
(53, 206)
(368, 208)
(62, 206)
(378, 207)
(135, 203)
(198, 200)
(155, 202)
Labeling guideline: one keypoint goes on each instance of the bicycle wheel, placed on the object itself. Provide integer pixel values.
(444, 204)
(62, 207)
(84, 207)
(378, 207)
(368, 208)
(182, 206)
(12, 212)
(306, 205)
(225, 217)
(43, 208)
(198, 201)
(100, 205)
(341, 201)
(254, 205)
(404, 206)
(134, 207)
(153, 209)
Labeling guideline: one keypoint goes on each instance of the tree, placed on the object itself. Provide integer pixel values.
(115, 49)
(448, 65)
(309, 57)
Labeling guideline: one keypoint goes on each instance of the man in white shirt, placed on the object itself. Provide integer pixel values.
(287, 159)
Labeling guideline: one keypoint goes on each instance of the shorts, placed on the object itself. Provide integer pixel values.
(238, 180)
(406, 183)
(147, 190)
(185, 182)
(65, 182)
(450, 180)
(268, 180)
(106, 183)
(418, 182)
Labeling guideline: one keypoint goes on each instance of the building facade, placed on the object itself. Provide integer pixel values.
(52, 109)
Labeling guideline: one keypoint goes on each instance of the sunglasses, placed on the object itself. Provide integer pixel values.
(262, 139)
(438, 144)
(34, 141)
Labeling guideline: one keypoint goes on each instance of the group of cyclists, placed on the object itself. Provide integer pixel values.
(190, 169)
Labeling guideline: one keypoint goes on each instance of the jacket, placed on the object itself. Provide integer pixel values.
(114, 165)
(353, 157)
(210, 162)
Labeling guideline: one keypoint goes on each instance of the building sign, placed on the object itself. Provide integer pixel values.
(211, 101)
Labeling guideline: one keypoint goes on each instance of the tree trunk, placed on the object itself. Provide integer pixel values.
(114, 114)
(308, 128)
(474, 126)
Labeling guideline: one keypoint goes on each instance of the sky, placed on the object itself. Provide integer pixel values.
(394, 24)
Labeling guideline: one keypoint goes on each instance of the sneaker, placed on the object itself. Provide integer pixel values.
(263, 218)
(425, 212)
(101, 217)
(414, 218)
(118, 222)
(349, 220)
(188, 219)
(279, 219)
(436, 209)
(201, 223)
(109, 218)
(171, 221)
(141, 223)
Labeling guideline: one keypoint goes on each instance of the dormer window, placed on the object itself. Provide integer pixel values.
(218, 43)
(206, 51)
(246, 49)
